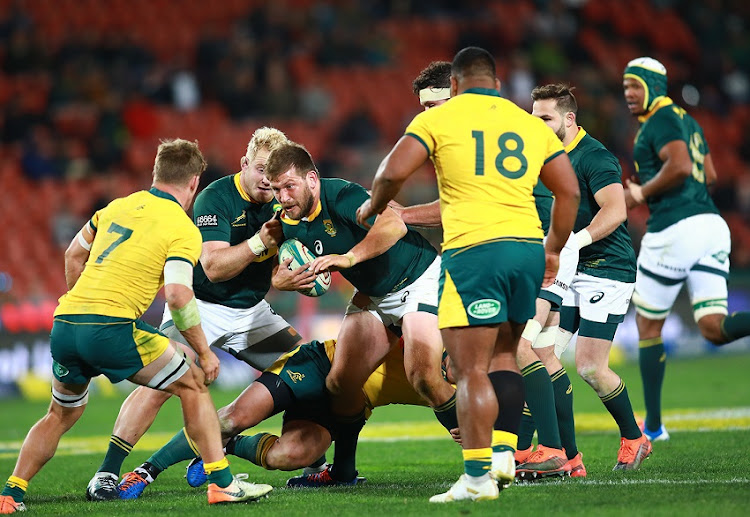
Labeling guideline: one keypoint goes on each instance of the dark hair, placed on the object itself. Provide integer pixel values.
(561, 93)
(437, 74)
(287, 156)
(472, 62)
(177, 161)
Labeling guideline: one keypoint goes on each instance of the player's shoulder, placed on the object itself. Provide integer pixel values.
(334, 187)
(217, 188)
(596, 153)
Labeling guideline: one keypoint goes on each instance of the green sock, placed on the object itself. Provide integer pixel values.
(16, 488)
(446, 413)
(345, 452)
(653, 363)
(477, 462)
(736, 325)
(219, 473)
(564, 407)
(254, 448)
(618, 404)
(179, 448)
(526, 431)
(117, 451)
(540, 399)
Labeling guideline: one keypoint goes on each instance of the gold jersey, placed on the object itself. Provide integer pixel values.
(488, 153)
(135, 236)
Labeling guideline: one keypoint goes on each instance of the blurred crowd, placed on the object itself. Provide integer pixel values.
(87, 88)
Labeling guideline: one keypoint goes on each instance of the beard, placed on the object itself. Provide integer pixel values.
(560, 133)
(305, 204)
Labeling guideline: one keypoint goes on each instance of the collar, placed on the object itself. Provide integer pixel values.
(164, 195)
(243, 194)
(572, 145)
(483, 91)
(308, 219)
(664, 101)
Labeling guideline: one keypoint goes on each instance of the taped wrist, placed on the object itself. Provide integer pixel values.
(187, 316)
(583, 238)
(256, 245)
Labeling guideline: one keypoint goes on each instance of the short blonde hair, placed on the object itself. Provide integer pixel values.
(178, 161)
(265, 138)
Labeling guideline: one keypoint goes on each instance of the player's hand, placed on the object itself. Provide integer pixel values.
(364, 212)
(271, 233)
(331, 263)
(552, 264)
(209, 363)
(633, 194)
(456, 435)
(293, 280)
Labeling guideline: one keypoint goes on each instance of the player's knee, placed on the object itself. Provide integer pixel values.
(589, 372)
(710, 329)
(228, 423)
(290, 458)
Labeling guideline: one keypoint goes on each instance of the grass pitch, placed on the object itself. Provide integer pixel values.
(407, 457)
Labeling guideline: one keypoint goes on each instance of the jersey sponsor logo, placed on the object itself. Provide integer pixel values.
(206, 220)
(670, 268)
(329, 228)
(241, 219)
(59, 369)
(597, 297)
(484, 309)
(295, 376)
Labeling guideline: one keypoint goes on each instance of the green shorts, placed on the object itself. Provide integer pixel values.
(86, 345)
(304, 370)
(490, 282)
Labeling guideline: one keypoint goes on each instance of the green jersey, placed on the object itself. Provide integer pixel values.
(667, 123)
(333, 229)
(224, 212)
(543, 199)
(613, 256)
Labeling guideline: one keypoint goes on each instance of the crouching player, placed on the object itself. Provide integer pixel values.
(295, 385)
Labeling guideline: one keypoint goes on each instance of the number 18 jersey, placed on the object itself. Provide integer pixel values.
(487, 154)
(135, 236)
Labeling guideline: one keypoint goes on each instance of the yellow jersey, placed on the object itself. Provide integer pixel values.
(389, 385)
(487, 154)
(135, 236)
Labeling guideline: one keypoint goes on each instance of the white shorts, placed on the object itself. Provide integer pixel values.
(601, 303)
(555, 293)
(693, 251)
(419, 296)
(256, 335)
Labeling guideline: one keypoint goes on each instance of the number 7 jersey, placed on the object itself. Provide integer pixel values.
(135, 236)
(487, 154)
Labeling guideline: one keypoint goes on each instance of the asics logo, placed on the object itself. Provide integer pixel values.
(597, 297)
(569, 390)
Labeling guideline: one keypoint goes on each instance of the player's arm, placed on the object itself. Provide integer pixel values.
(178, 289)
(709, 170)
(285, 279)
(406, 157)
(386, 231)
(676, 167)
(77, 254)
(558, 176)
(426, 215)
(612, 213)
(223, 262)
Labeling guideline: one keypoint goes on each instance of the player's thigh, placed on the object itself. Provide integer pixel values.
(602, 305)
(470, 348)
(260, 336)
(421, 296)
(68, 401)
(299, 375)
(251, 407)
(707, 279)
(592, 354)
(476, 288)
(361, 346)
(423, 344)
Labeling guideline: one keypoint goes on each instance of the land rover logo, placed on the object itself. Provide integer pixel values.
(484, 309)
(60, 370)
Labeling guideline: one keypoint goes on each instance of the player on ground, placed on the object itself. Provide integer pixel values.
(114, 268)
(295, 385)
(234, 216)
(600, 292)
(686, 240)
(551, 400)
(488, 154)
(392, 265)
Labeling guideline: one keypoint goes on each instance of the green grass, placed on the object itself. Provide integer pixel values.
(696, 473)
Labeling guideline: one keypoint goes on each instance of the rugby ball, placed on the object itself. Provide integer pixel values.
(301, 255)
